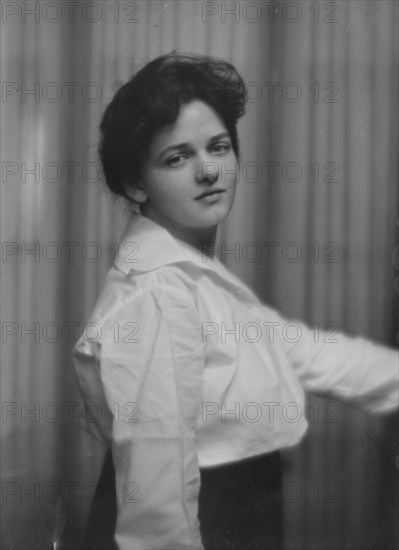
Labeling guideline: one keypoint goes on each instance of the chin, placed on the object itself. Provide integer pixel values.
(213, 218)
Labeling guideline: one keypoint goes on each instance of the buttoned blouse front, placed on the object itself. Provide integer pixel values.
(191, 370)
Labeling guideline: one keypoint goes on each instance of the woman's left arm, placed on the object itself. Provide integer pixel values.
(148, 372)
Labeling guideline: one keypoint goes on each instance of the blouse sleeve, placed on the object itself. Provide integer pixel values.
(351, 368)
(150, 364)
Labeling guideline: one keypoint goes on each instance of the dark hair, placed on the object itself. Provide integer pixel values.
(152, 99)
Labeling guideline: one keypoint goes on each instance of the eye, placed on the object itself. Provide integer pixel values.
(176, 160)
(221, 147)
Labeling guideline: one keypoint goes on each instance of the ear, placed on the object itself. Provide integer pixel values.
(137, 193)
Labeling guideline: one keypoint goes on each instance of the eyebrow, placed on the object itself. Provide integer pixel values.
(185, 145)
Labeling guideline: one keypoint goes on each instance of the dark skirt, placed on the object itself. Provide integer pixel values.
(240, 506)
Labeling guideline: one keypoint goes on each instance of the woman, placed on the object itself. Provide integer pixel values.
(195, 404)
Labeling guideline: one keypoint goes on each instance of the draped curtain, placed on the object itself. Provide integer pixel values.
(313, 231)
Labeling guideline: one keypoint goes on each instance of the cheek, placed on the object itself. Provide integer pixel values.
(164, 190)
(230, 169)
(155, 186)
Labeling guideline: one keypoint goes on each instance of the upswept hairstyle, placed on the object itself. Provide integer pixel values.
(152, 99)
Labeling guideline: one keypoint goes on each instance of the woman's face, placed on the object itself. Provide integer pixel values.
(189, 177)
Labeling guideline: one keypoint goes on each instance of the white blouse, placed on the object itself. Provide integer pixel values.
(187, 369)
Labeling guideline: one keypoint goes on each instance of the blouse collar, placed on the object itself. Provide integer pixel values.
(147, 246)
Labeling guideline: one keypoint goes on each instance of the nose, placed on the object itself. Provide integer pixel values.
(206, 171)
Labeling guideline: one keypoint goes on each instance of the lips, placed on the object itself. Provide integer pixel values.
(209, 193)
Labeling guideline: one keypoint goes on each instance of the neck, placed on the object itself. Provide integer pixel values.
(203, 239)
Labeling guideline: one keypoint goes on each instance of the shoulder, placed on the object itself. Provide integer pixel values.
(146, 309)
(172, 284)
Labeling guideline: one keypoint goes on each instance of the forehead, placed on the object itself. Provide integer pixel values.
(197, 121)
